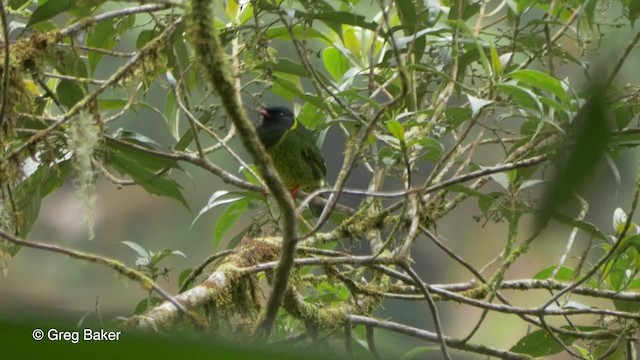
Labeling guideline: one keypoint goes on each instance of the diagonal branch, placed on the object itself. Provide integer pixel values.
(130, 273)
(5, 73)
(212, 58)
(429, 336)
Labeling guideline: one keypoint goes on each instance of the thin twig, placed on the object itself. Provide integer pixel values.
(110, 176)
(90, 21)
(432, 307)
(221, 142)
(429, 336)
(97, 50)
(584, 207)
(132, 274)
(200, 268)
(75, 78)
(622, 59)
(558, 340)
(371, 342)
(205, 164)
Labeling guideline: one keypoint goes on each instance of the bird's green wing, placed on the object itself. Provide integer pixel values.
(311, 154)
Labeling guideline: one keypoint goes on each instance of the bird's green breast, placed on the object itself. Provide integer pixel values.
(290, 157)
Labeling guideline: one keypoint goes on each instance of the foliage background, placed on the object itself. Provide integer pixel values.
(42, 281)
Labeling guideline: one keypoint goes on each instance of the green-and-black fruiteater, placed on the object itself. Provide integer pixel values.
(294, 152)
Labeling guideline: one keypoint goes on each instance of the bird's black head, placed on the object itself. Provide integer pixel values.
(277, 116)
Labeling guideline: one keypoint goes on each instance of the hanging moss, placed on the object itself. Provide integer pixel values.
(84, 137)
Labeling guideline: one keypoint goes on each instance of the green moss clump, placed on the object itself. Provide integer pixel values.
(26, 58)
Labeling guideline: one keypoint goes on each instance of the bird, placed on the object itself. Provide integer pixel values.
(292, 147)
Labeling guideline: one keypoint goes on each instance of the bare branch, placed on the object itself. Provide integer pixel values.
(432, 337)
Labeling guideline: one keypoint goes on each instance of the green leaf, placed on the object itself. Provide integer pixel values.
(563, 274)
(141, 307)
(634, 284)
(101, 36)
(541, 81)
(480, 45)
(627, 305)
(157, 257)
(396, 129)
(231, 10)
(150, 160)
(524, 5)
(587, 227)
(331, 18)
(311, 116)
(154, 180)
(351, 41)
(172, 115)
(409, 13)
(137, 248)
(178, 58)
(239, 236)
(539, 343)
(523, 97)
(68, 62)
(50, 9)
(496, 64)
(633, 10)
(249, 176)
(144, 37)
(69, 93)
(630, 240)
(184, 274)
(335, 62)
(287, 86)
(619, 271)
(288, 89)
(228, 219)
(33, 189)
(290, 67)
(217, 199)
(186, 139)
(432, 148)
(402, 41)
(341, 17)
(457, 115)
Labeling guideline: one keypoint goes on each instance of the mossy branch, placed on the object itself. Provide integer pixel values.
(5, 74)
(124, 72)
(211, 57)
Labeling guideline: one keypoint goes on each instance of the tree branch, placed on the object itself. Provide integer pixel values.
(211, 57)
